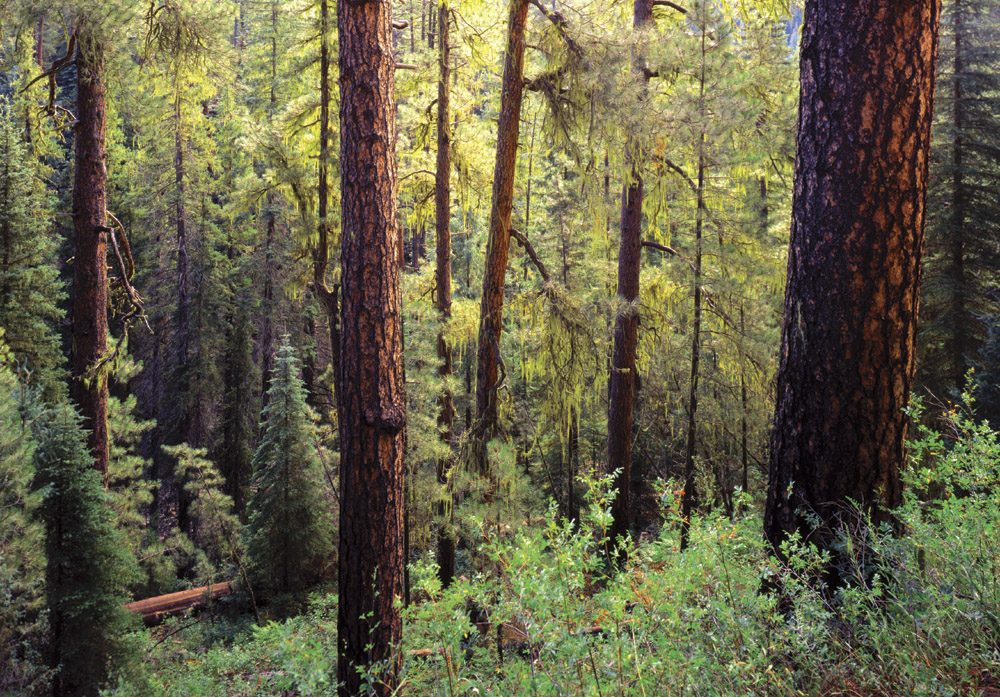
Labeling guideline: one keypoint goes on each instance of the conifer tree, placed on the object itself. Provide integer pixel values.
(22, 556)
(30, 290)
(290, 530)
(89, 565)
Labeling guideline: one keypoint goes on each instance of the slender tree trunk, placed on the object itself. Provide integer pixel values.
(690, 495)
(371, 394)
(442, 277)
(959, 319)
(622, 383)
(329, 297)
(498, 245)
(182, 328)
(867, 84)
(90, 275)
(270, 235)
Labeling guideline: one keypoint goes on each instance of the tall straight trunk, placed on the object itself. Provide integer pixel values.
(371, 390)
(847, 352)
(958, 318)
(182, 328)
(271, 232)
(90, 239)
(442, 277)
(689, 496)
(621, 388)
(498, 245)
(328, 296)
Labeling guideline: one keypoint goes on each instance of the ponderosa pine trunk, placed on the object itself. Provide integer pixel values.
(498, 245)
(621, 388)
(847, 347)
(90, 240)
(442, 278)
(371, 391)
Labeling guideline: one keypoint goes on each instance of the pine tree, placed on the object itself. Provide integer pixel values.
(22, 553)
(89, 565)
(30, 290)
(290, 530)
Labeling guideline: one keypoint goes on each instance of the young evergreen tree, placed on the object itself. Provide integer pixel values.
(89, 565)
(290, 530)
(22, 553)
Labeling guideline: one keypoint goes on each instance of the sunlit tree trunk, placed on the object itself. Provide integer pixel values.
(371, 391)
(867, 83)
(90, 240)
(498, 245)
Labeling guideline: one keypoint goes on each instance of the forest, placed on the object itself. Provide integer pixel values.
(537, 347)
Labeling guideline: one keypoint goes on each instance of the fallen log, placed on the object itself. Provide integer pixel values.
(156, 608)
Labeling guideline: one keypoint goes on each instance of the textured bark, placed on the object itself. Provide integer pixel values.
(371, 394)
(621, 389)
(90, 274)
(498, 245)
(867, 81)
(442, 278)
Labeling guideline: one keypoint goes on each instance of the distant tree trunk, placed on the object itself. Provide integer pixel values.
(498, 245)
(90, 274)
(689, 496)
(328, 297)
(959, 319)
(442, 277)
(621, 388)
(271, 218)
(371, 390)
(867, 83)
(182, 328)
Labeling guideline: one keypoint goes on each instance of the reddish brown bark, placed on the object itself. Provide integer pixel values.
(90, 274)
(371, 392)
(621, 388)
(867, 81)
(498, 245)
(442, 277)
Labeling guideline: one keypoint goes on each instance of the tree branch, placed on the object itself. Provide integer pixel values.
(532, 254)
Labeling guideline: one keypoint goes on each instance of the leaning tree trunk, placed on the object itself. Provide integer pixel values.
(90, 239)
(621, 389)
(371, 393)
(867, 83)
(498, 245)
(442, 277)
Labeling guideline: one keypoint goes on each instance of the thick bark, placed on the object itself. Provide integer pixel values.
(498, 245)
(621, 389)
(442, 278)
(90, 274)
(371, 392)
(867, 81)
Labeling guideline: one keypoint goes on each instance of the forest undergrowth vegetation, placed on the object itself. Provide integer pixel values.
(560, 609)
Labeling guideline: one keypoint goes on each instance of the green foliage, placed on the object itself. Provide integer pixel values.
(89, 565)
(290, 533)
(30, 288)
(22, 544)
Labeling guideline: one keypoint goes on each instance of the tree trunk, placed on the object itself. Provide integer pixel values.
(867, 82)
(498, 245)
(90, 274)
(958, 318)
(271, 217)
(328, 297)
(442, 277)
(621, 388)
(371, 391)
(689, 496)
